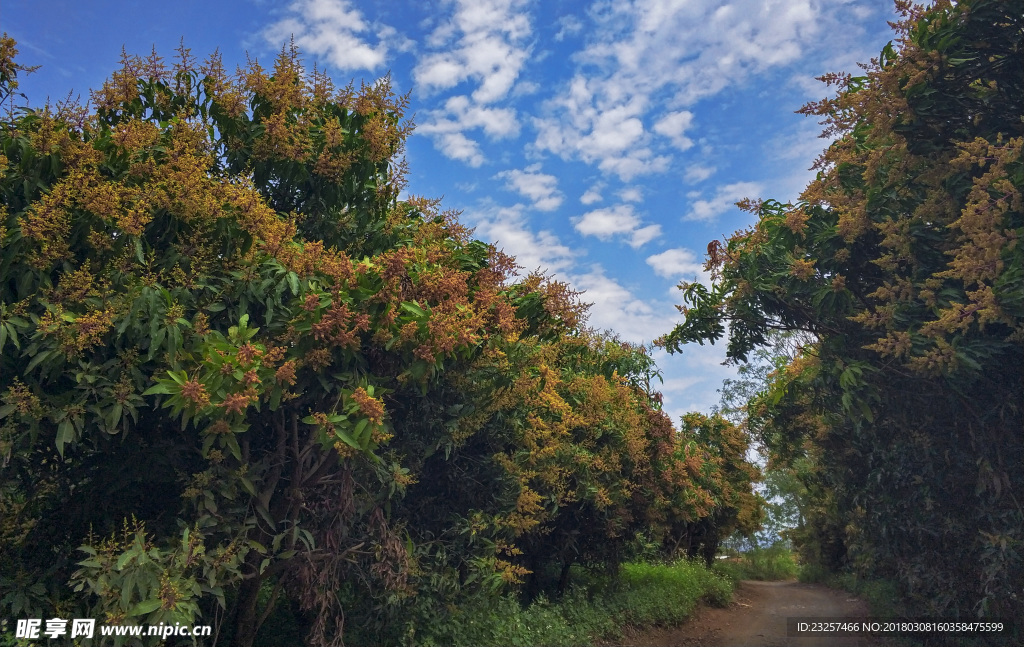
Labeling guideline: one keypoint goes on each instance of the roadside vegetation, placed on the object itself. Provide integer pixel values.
(247, 380)
(893, 288)
(598, 608)
(244, 383)
(772, 563)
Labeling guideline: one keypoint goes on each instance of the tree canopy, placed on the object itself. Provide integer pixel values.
(244, 377)
(902, 263)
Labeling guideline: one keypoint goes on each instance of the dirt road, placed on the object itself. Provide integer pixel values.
(757, 618)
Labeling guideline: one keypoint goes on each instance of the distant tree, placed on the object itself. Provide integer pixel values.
(903, 262)
(714, 450)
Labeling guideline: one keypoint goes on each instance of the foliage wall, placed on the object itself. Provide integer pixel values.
(242, 380)
(903, 265)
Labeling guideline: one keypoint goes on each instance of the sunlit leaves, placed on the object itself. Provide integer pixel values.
(902, 264)
(217, 318)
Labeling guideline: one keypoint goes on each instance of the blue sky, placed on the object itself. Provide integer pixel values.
(605, 142)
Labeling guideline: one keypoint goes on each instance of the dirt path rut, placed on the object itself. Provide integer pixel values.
(757, 618)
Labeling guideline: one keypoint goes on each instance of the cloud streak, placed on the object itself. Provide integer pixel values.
(723, 200)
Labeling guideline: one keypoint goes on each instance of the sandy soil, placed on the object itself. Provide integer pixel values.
(757, 618)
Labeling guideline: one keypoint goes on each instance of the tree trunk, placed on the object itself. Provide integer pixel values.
(245, 612)
(710, 548)
(563, 579)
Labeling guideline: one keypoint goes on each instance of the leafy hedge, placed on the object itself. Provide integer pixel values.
(902, 268)
(239, 374)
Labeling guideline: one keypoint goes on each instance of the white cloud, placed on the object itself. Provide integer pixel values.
(614, 139)
(644, 235)
(333, 29)
(802, 143)
(635, 163)
(592, 195)
(617, 221)
(570, 26)
(509, 229)
(631, 194)
(724, 200)
(614, 131)
(460, 114)
(693, 377)
(653, 58)
(616, 308)
(539, 187)
(484, 42)
(696, 173)
(448, 125)
(676, 263)
(525, 88)
(679, 384)
(673, 125)
(457, 146)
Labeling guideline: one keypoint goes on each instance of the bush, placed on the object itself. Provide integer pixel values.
(813, 573)
(311, 398)
(597, 607)
(773, 563)
(902, 265)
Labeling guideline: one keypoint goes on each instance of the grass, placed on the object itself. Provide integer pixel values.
(768, 564)
(596, 608)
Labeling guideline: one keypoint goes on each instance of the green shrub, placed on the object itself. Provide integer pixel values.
(813, 573)
(882, 596)
(731, 569)
(773, 563)
(596, 607)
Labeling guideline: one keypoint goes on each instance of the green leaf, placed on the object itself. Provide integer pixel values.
(145, 608)
(124, 559)
(158, 389)
(178, 376)
(347, 439)
(258, 547)
(866, 411)
(65, 434)
(115, 414)
(263, 512)
(39, 358)
(362, 426)
(232, 444)
(413, 308)
(247, 484)
(157, 341)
